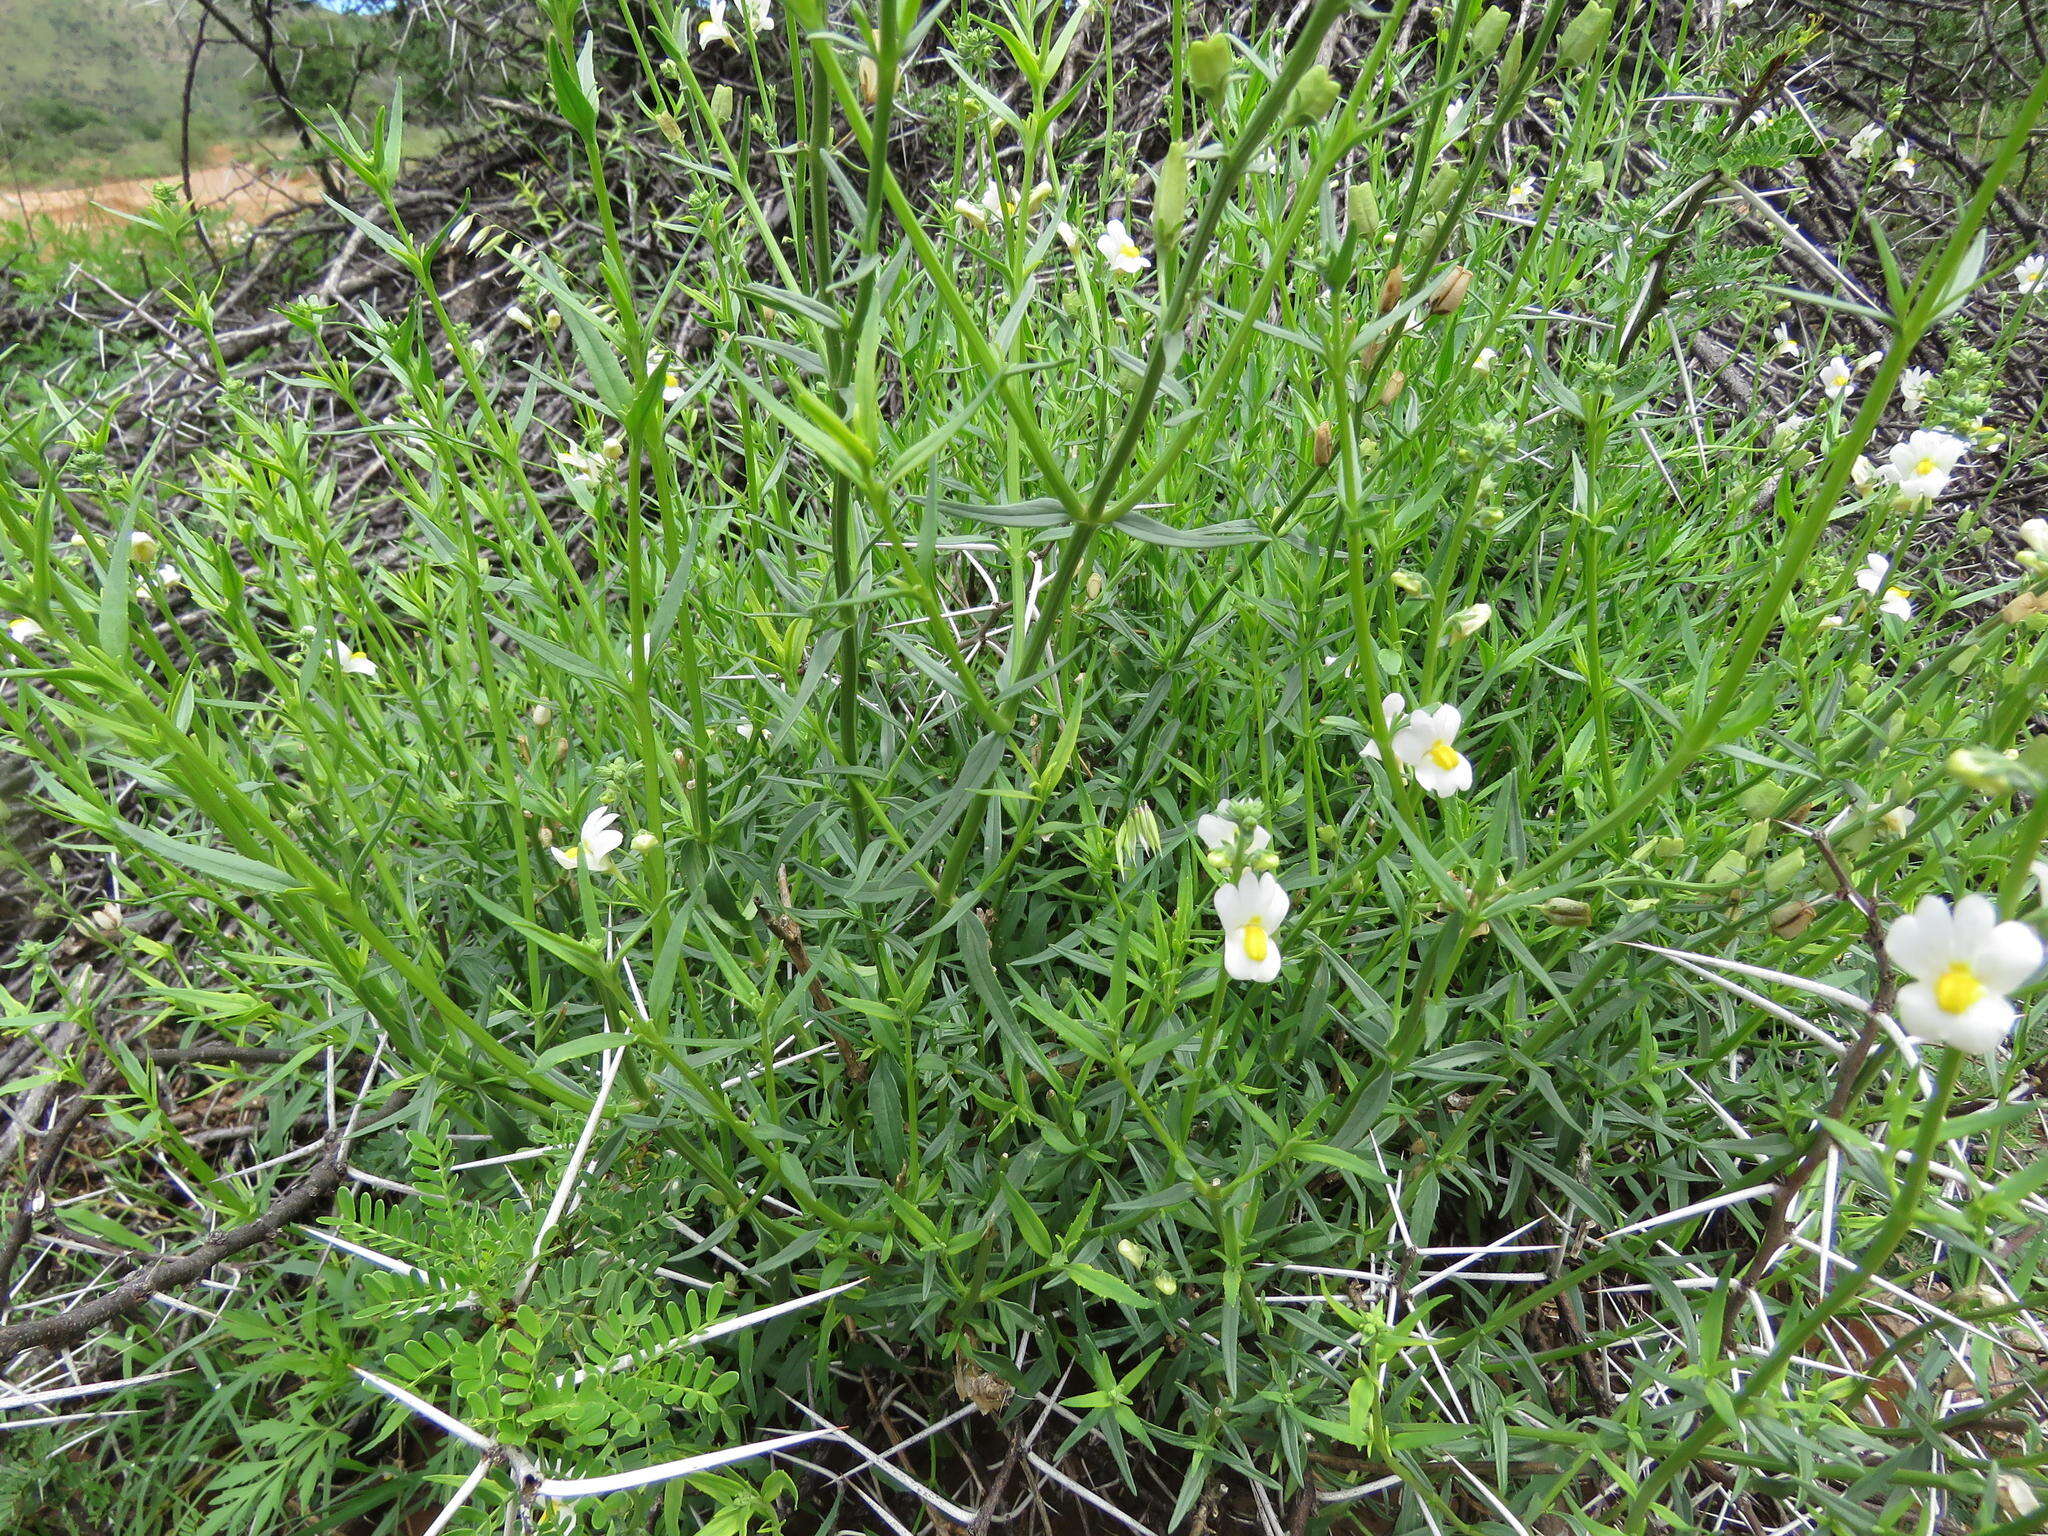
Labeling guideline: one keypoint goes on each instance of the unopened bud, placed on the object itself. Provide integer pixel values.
(1467, 622)
(1790, 919)
(1209, 62)
(1326, 443)
(868, 74)
(1165, 1285)
(1585, 36)
(1314, 94)
(1391, 390)
(542, 716)
(1450, 294)
(2034, 534)
(1408, 582)
(1487, 32)
(645, 842)
(1170, 193)
(1132, 1253)
(1441, 185)
(561, 748)
(106, 919)
(547, 837)
(1784, 869)
(1390, 290)
(1566, 913)
(1362, 210)
(1988, 772)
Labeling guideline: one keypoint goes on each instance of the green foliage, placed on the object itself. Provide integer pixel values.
(914, 624)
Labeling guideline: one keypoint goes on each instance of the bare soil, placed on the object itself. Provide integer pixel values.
(232, 187)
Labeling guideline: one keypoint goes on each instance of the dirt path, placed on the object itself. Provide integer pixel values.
(239, 190)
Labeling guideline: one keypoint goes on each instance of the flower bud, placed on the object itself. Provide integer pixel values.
(1409, 582)
(1208, 62)
(868, 74)
(1165, 1285)
(1790, 919)
(1897, 821)
(1988, 772)
(1784, 869)
(645, 842)
(561, 748)
(1362, 211)
(542, 716)
(1566, 913)
(1390, 290)
(142, 547)
(547, 837)
(1314, 94)
(1451, 292)
(1755, 839)
(721, 104)
(1132, 1253)
(1170, 193)
(2034, 534)
(1467, 622)
(1439, 189)
(1586, 36)
(1391, 390)
(1485, 37)
(1326, 443)
(1727, 869)
(106, 919)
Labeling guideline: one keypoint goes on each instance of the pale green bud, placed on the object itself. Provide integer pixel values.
(1170, 194)
(1209, 62)
(1314, 94)
(1487, 32)
(1566, 913)
(1586, 36)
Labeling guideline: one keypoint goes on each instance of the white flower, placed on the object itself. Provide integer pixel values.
(1897, 821)
(1521, 193)
(1785, 345)
(1837, 378)
(1220, 833)
(760, 14)
(141, 547)
(1424, 745)
(1789, 429)
(1068, 236)
(2033, 534)
(2031, 275)
(1121, 251)
(1484, 362)
(1913, 387)
(1868, 361)
(1250, 911)
(1905, 167)
(712, 29)
(1390, 712)
(1922, 464)
(671, 381)
(595, 844)
(1862, 473)
(983, 211)
(23, 630)
(1963, 963)
(1896, 601)
(353, 661)
(1865, 142)
(1832, 621)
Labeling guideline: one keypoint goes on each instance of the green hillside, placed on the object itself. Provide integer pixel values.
(92, 87)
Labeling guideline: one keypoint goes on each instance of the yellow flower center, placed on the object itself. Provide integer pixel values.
(1958, 989)
(1255, 940)
(1924, 467)
(1129, 251)
(1444, 755)
(1896, 592)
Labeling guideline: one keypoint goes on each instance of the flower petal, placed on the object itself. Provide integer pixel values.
(1272, 902)
(2008, 957)
(1919, 943)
